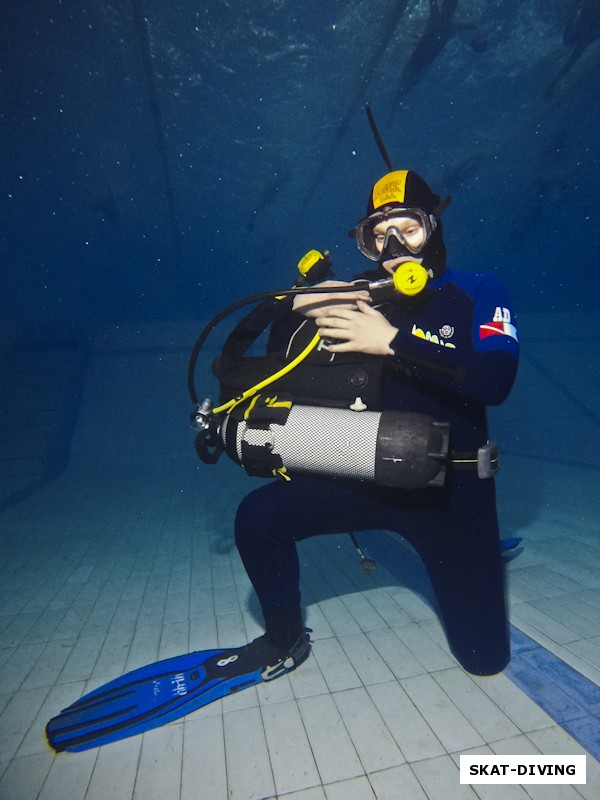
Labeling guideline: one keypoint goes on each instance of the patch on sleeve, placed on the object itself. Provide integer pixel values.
(500, 325)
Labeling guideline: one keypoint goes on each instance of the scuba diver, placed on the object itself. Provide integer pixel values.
(376, 420)
(441, 351)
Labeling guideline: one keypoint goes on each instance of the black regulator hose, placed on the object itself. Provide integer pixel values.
(255, 298)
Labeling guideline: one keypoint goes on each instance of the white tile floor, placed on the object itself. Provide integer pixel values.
(128, 558)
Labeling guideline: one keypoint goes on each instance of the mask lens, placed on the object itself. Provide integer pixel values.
(410, 228)
(410, 231)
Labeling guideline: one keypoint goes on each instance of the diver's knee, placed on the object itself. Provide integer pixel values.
(245, 516)
(261, 519)
(251, 518)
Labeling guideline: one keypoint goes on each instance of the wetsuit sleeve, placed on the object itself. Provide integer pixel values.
(483, 366)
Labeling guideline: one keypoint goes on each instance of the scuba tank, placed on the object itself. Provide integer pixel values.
(391, 448)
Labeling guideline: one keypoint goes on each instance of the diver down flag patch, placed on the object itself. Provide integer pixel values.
(500, 325)
(495, 328)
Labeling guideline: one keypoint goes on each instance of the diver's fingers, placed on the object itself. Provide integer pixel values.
(334, 321)
(335, 333)
(341, 347)
(360, 295)
(313, 304)
(339, 312)
(330, 306)
(333, 301)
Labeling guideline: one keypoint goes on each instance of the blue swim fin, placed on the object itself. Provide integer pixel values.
(510, 548)
(159, 693)
(510, 544)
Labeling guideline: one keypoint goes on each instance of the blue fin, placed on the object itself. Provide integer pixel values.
(155, 695)
(510, 544)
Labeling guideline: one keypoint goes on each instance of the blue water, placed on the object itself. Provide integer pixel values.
(159, 158)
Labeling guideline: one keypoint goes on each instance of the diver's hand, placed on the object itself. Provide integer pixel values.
(360, 330)
(315, 305)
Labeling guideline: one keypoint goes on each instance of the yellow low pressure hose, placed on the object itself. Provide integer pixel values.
(271, 379)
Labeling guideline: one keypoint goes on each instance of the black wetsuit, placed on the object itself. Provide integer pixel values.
(456, 353)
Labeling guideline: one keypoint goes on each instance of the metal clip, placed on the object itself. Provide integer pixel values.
(488, 460)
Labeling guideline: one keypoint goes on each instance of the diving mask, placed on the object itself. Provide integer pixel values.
(411, 227)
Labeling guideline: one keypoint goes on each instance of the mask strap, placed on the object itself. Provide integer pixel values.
(441, 207)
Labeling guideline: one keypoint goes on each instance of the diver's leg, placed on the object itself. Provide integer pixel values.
(268, 523)
(454, 530)
(459, 545)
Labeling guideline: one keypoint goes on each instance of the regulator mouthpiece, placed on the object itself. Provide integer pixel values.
(410, 278)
